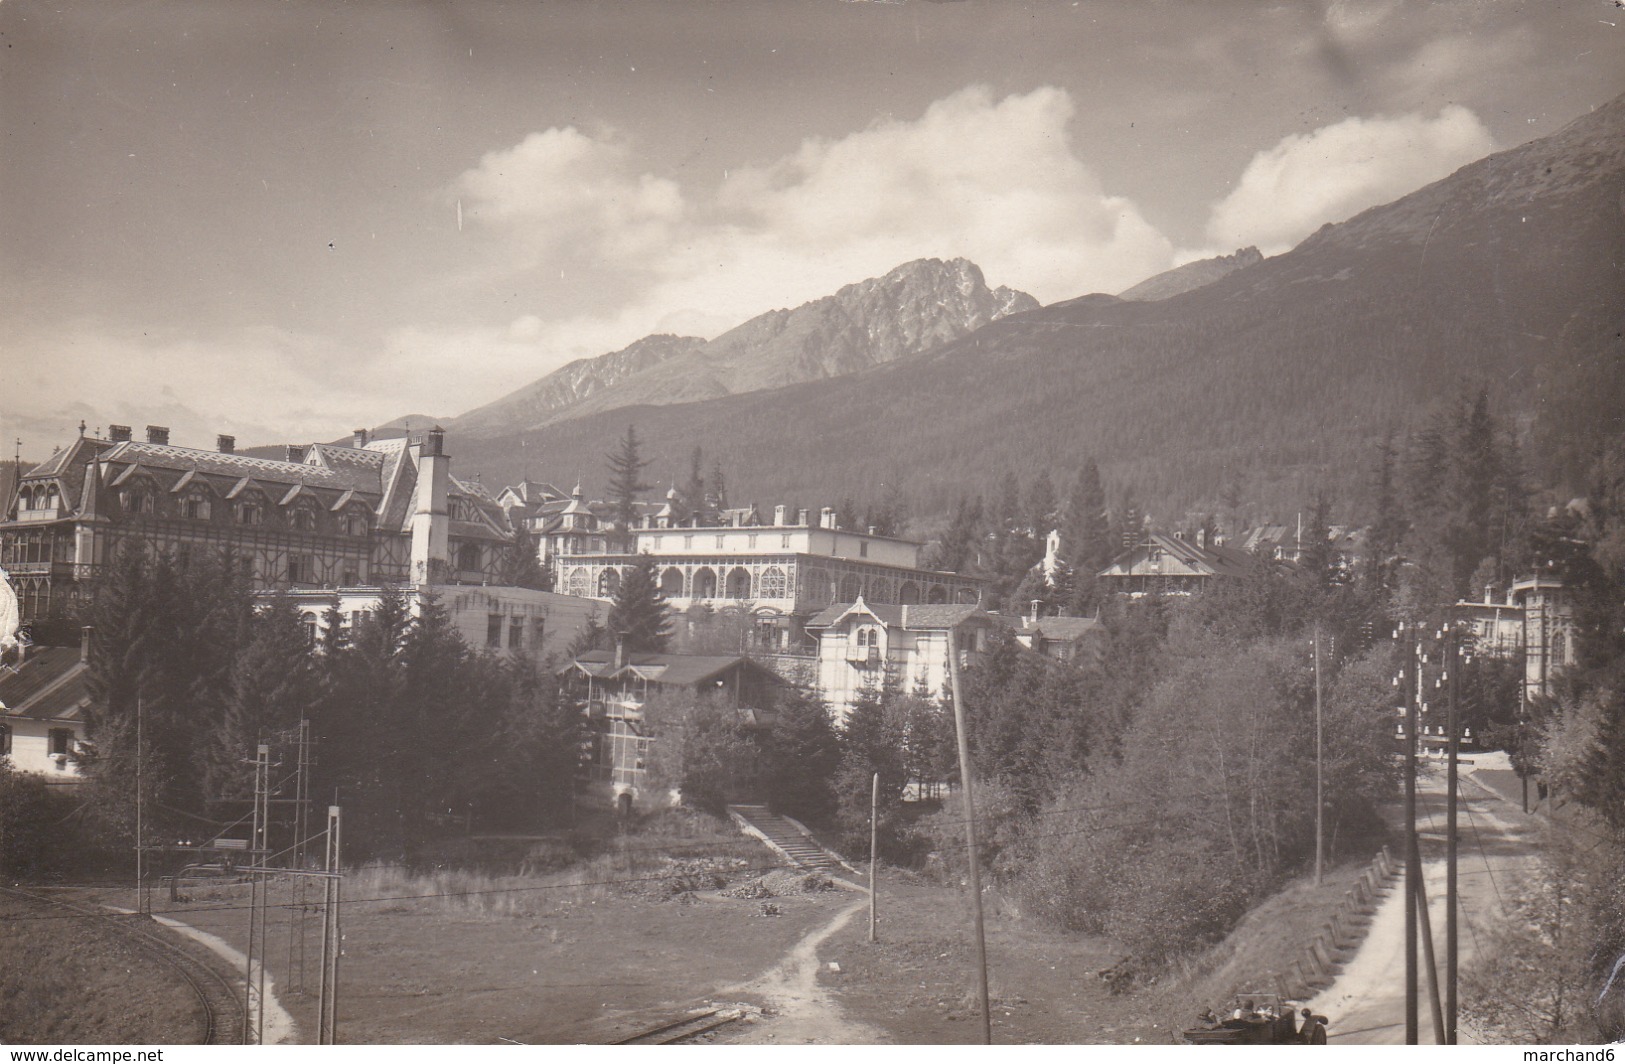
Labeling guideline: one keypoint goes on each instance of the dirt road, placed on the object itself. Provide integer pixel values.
(1366, 1004)
(802, 1011)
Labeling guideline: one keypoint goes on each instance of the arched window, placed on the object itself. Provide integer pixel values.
(53, 501)
(868, 636)
(771, 584)
(738, 583)
(820, 589)
(705, 583)
(937, 595)
(671, 582)
(851, 587)
(577, 583)
(909, 593)
(880, 590)
(609, 583)
(197, 506)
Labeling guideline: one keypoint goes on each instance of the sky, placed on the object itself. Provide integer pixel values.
(287, 220)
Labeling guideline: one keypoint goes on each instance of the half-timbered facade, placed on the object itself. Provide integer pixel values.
(320, 516)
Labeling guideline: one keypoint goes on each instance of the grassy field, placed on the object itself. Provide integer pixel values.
(644, 930)
(78, 980)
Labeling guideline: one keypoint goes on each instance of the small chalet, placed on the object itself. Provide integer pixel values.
(1070, 639)
(1173, 565)
(613, 687)
(863, 645)
(42, 707)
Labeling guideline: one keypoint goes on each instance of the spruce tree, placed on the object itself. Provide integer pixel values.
(799, 758)
(272, 686)
(626, 465)
(640, 615)
(1086, 544)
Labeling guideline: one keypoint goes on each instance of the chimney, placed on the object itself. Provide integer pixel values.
(118, 433)
(871, 530)
(826, 518)
(620, 653)
(778, 514)
(1201, 537)
(360, 437)
(1036, 603)
(225, 444)
(84, 642)
(431, 547)
(157, 434)
(801, 518)
(295, 453)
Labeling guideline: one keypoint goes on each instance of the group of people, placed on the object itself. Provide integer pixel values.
(1280, 1020)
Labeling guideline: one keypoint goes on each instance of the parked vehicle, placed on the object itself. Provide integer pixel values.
(1258, 1020)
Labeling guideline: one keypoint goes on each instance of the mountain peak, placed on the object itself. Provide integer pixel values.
(907, 310)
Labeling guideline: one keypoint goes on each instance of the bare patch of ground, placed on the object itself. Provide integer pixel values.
(117, 992)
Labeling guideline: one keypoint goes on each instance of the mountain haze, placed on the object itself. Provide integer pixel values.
(1259, 387)
(911, 309)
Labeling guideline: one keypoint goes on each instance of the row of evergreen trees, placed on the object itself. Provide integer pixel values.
(411, 728)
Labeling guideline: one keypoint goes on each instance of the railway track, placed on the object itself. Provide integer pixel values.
(220, 1007)
(677, 1031)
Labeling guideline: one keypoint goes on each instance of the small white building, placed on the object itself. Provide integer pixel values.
(42, 705)
(514, 620)
(863, 646)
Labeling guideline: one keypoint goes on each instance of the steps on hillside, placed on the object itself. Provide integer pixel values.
(787, 838)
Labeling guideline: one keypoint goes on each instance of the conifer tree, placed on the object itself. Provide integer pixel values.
(1086, 543)
(691, 499)
(800, 754)
(640, 615)
(272, 686)
(626, 465)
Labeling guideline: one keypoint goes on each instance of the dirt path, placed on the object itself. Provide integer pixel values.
(805, 1013)
(1366, 1004)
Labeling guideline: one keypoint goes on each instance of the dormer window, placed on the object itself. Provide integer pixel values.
(196, 506)
(303, 518)
(251, 511)
(137, 500)
(354, 521)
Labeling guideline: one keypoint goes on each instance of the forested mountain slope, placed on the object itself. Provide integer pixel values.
(1262, 386)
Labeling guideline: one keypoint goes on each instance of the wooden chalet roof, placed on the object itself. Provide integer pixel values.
(52, 683)
(1190, 559)
(668, 670)
(913, 618)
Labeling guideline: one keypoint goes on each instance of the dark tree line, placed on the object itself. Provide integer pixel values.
(413, 730)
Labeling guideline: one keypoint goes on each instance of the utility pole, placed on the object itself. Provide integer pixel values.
(140, 839)
(1411, 654)
(1320, 776)
(874, 849)
(254, 1003)
(1452, 899)
(332, 936)
(966, 786)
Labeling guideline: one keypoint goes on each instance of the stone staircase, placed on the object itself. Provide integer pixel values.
(787, 838)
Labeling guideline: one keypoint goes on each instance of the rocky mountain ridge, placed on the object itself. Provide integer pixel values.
(911, 309)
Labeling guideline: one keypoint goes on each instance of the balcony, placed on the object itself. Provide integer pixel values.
(64, 570)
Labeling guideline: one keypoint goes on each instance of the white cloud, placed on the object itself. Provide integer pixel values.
(1306, 180)
(997, 181)
(560, 190)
